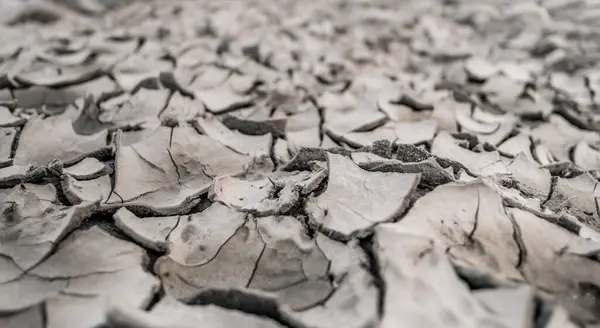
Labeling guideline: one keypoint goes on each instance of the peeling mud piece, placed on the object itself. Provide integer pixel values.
(586, 156)
(42, 74)
(415, 133)
(481, 164)
(90, 270)
(90, 190)
(360, 119)
(502, 91)
(198, 238)
(545, 243)
(223, 98)
(248, 145)
(89, 168)
(274, 126)
(31, 224)
(345, 210)
(514, 307)
(367, 138)
(291, 266)
(480, 69)
(261, 197)
(182, 109)
(7, 138)
(413, 265)
(143, 107)
(560, 136)
(474, 228)
(432, 174)
(579, 196)
(517, 144)
(302, 128)
(145, 64)
(354, 303)
(53, 138)
(168, 171)
(7, 119)
(531, 180)
(170, 313)
(271, 254)
(477, 231)
(150, 232)
(488, 128)
(305, 181)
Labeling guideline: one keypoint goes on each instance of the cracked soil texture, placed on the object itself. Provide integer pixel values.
(300, 164)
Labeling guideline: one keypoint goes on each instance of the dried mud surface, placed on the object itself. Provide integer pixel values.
(299, 164)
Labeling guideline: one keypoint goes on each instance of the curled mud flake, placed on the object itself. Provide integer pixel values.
(260, 197)
(90, 264)
(415, 132)
(303, 129)
(7, 119)
(150, 232)
(141, 108)
(412, 264)
(32, 224)
(88, 168)
(223, 98)
(577, 196)
(256, 146)
(167, 172)
(89, 190)
(481, 164)
(474, 230)
(586, 156)
(197, 238)
(345, 210)
(480, 69)
(559, 136)
(363, 139)
(236, 253)
(53, 138)
(181, 109)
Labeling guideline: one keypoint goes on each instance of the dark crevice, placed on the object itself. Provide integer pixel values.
(321, 112)
(44, 314)
(166, 105)
(175, 226)
(553, 182)
(518, 239)
(476, 218)
(272, 153)
(15, 142)
(155, 298)
(374, 268)
(257, 262)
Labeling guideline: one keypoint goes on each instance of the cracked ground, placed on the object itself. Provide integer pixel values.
(300, 164)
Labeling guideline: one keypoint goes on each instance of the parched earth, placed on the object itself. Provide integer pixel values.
(319, 164)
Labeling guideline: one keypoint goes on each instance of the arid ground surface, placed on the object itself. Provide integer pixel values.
(279, 163)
